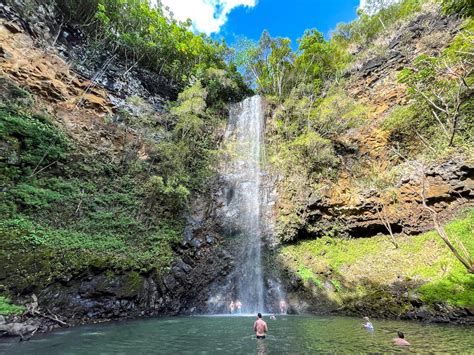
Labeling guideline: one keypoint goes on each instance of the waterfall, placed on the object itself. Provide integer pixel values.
(245, 146)
(244, 212)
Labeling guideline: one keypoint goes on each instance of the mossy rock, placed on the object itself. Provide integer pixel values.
(132, 283)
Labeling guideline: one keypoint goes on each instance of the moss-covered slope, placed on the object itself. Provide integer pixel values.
(371, 276)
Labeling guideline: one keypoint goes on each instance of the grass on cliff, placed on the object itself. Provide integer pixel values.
(423, 264)
(7, 308)
(65, 210)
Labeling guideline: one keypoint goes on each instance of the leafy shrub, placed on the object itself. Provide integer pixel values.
(369, 25)
(223, 86)
(42, 143)
(337, 113)
(77, 11)
(7, 308)
(34, 197)
(164, 45)
(314, 152)
(173, 193)
(405, 120)
(464, 8)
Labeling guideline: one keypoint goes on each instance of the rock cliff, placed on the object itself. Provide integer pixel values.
(88, 97)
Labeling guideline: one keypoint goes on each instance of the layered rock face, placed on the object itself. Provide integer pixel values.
(322, 224)
(448, 188)
(374, 79)
(340, 205)
(84, 94)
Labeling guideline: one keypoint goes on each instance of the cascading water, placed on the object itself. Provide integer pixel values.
(244, 142)
(245, 211)
(245, 129)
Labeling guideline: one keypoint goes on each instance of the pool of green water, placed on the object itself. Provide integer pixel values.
(233, 335)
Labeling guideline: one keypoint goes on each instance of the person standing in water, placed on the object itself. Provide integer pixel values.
(260, 327)
(283, 306)
(400, 339)
(232, 307)
(368, 324)
(238, 305)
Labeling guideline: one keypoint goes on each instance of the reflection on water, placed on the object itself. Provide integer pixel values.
(234, 335)
(261, 346)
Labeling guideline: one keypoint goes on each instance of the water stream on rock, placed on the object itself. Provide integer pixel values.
(244, 211)
(243, 168)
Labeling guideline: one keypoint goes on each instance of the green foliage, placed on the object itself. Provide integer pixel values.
(305, 129)
(33, 255)
(64, 209)
(77, 12)
(338, 113)
(440, 88)
(271, 66)
(313, 151)
(318, 60)
(369, 25)
(267, 64)
(33, 196)
(13, 94)
(171, 192)
(42, 142)
(7, 308)
(307, 275)
(23, 233)
(405, 123)
(304, 135)
(184, 158)
(191, 101)
(424, 262)
(223, 86)
(375, 175)
(463, 8)
(144, 33)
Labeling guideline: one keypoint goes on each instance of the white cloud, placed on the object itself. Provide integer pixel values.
(208, 16)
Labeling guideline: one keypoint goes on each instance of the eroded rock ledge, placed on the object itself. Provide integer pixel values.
(448, 187)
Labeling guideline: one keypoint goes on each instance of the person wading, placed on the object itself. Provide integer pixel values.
(260, 327)
(368, 324)
(400, 340)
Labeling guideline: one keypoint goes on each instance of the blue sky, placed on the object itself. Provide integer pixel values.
(287, 19)
(233, 18)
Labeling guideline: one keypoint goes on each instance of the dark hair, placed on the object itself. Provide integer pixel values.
(259, 315)
(400, 334)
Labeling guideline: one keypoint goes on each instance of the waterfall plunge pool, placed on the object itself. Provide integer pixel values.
(297, 334)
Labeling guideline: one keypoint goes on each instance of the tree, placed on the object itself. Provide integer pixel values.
(247, 57)
(267, 64)
(146, 34)
(457, 248)
(441, 85)
(377, 16)
(318, 59)
(383, 218)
